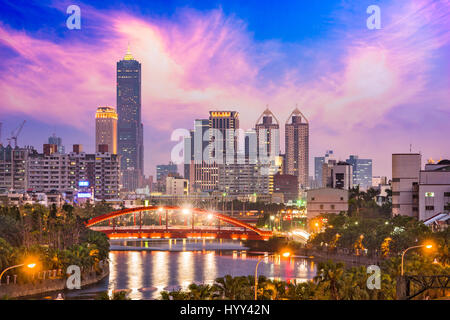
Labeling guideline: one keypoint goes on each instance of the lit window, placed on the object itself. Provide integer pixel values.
(429, 194)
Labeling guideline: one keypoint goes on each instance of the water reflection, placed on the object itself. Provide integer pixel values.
(146, 273)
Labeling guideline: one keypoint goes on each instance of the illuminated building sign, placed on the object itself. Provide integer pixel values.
(84, 195)
(221, 114)
(83, 183)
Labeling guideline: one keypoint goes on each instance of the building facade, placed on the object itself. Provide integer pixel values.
(297, 147)
(106, 130)
(13, 168)
(318, 165)
(58, 142)
(287, 185)
(129, 126)
(362, 171)
(405, 175)
(177, 186)
(326, 200)
(434, 190)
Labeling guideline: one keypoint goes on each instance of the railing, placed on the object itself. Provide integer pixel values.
(95, 228)
(41, 275)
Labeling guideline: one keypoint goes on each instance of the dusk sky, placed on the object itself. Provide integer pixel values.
(365, 92)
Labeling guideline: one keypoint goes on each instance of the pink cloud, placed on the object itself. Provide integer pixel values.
(210, 61)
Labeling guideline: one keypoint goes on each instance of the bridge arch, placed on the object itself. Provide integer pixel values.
(262, 234)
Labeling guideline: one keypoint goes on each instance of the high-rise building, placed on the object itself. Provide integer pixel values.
(13, 168)
(268, 136)
(106, 130)
(164, 170)
(287, 185)
(223, 136)
(318, 165)
(58, 141)
(129, 126)
(362, 171)
(405, 176)
(243, 179)
(297, 147)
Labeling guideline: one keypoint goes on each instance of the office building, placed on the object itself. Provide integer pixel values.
(287, 185)
(223, 139)
(434, 190)
(243, 179)
(129, 126)
(362, 171)
(318, 164)
(267, 130)
(297, 147)
(106, 130)
(405, 174)
(164, 170)
(58, 142)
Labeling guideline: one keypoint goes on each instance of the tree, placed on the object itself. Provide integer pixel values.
(329, 276)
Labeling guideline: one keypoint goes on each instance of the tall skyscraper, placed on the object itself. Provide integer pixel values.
(223, 135)
(362, 171)
(297, 147)
(130, 129)
(58, 141)
(106, 130)
(268, 136)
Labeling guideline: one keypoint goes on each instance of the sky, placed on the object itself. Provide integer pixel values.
(369, 92)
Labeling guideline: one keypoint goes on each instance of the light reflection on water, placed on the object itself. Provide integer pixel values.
(144, 274)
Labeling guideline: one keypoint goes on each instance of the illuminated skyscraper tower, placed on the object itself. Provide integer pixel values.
(130, 129)
(106, 130)
(297, 147)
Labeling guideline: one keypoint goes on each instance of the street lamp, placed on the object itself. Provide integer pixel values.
(428, 246)
(285, 254)
(30, 265)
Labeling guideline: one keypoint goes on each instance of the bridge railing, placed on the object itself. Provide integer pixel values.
(105, 228)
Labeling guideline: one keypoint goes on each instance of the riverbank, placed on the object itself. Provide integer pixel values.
(50, 285)
(347, 259)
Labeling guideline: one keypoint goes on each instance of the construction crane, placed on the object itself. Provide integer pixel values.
(15, 134)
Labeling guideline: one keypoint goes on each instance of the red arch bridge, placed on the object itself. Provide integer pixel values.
(172, 222)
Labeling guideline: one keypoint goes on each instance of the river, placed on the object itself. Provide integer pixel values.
(144, 274)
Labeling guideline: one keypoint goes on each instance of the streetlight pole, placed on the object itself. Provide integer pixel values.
(31, 265)
(403, 253)
(284, 254)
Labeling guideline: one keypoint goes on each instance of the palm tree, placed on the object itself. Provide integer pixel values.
(330, 277)
(231, 288)
(200, 292)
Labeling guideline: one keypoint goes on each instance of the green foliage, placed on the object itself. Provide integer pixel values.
(52, 237)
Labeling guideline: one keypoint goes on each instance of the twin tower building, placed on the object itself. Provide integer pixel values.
(121, 133)
(219, 156)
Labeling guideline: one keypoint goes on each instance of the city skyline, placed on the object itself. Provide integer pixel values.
(179, 85)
